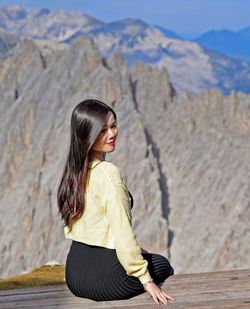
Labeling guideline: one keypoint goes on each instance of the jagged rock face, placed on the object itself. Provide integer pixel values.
(212, 187)
(190, 66)
(186, 161)
(198, 143)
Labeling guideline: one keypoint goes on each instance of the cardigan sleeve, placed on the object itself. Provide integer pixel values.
(118, 213)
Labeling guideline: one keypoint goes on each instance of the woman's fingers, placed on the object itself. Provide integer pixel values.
(163, 299)
(155, 299)
(168, 296)
(160, 298)
(154, 296)
(157, 294)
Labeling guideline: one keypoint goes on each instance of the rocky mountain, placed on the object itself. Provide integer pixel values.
(45, 23)
(231, 43)
(186, 160)
(190, 66)
(7, 41)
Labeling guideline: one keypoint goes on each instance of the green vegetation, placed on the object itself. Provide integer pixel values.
(42, 276)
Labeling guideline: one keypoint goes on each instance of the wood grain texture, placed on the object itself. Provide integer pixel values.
(215, 290)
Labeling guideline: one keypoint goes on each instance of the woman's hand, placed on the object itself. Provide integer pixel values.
(158, 295)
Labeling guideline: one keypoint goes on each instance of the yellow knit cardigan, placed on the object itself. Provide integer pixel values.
(106, 220)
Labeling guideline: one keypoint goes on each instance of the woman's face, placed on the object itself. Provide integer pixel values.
(105, 141)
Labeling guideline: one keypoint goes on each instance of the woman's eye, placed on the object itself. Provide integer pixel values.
(105, 129)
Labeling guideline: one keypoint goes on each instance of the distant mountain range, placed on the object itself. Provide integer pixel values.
(231, 43)
(190, 66)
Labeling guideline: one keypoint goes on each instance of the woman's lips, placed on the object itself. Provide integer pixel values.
(111, 143)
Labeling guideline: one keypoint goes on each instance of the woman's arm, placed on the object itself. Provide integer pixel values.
(127, 249)
(118, 213)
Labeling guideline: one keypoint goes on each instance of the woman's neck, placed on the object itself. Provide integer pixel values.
(96, 156)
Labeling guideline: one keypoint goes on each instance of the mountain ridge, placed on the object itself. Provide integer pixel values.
(190, 67)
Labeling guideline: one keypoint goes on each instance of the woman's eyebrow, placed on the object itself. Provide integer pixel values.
(105, 125)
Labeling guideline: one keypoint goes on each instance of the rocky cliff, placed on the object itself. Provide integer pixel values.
(186, 161)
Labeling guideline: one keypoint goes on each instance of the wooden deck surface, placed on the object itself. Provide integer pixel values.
(216, 290)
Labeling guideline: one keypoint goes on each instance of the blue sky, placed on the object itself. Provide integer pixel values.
(189, 18)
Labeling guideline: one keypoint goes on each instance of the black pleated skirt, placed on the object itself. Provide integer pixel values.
(95, 273)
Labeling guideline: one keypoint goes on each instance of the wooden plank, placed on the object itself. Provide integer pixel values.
(215, 296)
(40, 289)
(222, 273)
(179, 279)
(224, 304)
(33, 296)
(37, 300)
(71, 302)
(208, 286)
(201, 282)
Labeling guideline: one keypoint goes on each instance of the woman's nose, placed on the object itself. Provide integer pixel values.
(112, 132)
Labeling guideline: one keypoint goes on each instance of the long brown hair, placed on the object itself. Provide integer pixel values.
(87, 121)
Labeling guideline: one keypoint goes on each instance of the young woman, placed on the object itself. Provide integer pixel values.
(104, 261)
